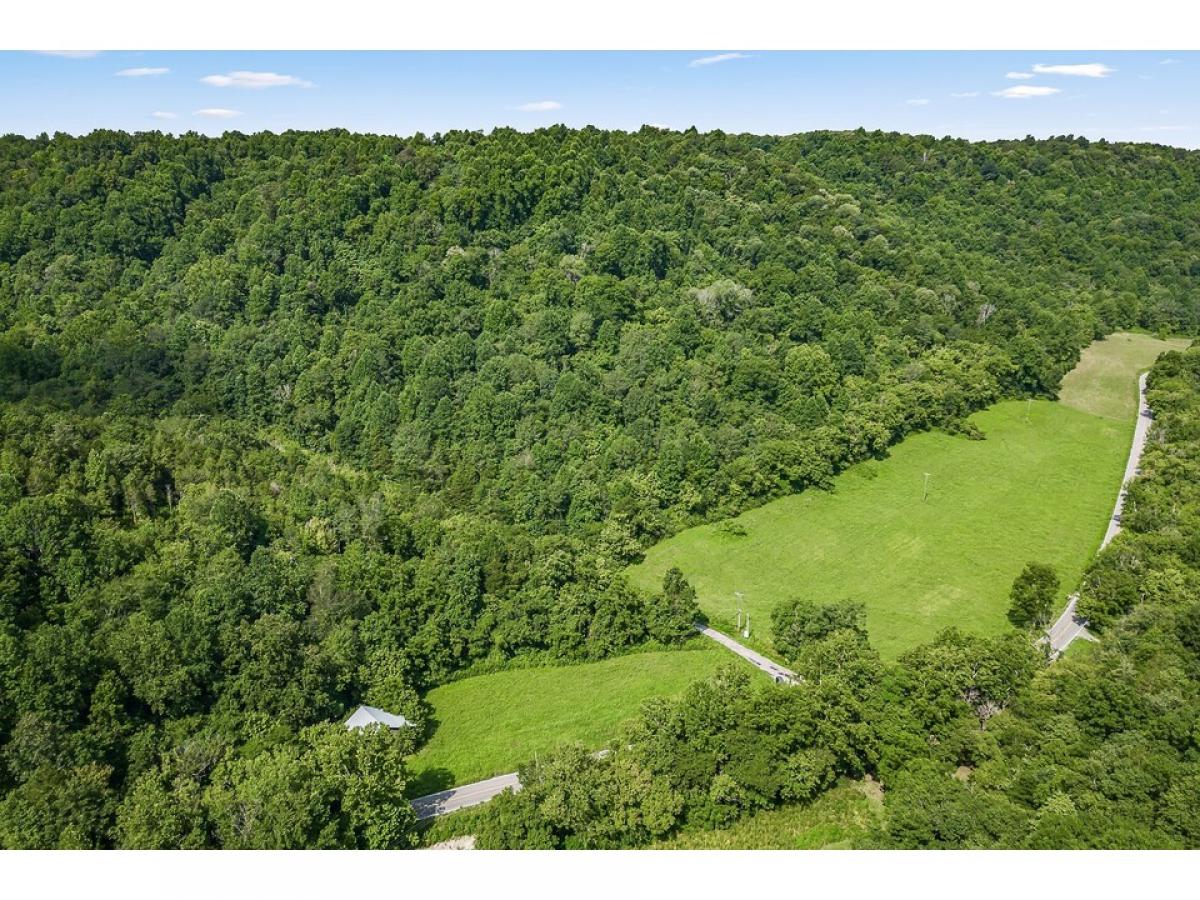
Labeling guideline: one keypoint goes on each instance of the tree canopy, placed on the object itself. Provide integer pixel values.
(290, 422)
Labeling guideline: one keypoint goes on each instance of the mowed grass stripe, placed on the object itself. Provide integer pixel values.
(1039, 487)
(491, 724)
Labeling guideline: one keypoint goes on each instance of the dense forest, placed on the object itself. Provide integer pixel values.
(292, 422)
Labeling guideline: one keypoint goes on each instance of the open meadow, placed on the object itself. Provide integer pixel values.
(490, 724)
(1040, 486)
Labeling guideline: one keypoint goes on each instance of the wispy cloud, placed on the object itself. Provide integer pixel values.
(918, 101)
(1084, 70)
(961, 94)
(1018, 76)
(1168, 128)
(1025, 91)
(160, 114)
(1169, 61)
(143, 71)
(255, 80)
(217, 112)
(540, 106)
(70, 54)
(719, 58)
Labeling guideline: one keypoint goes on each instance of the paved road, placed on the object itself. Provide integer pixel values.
(461, 797)
(1140, 431)
(1067, 627)
(777, 672)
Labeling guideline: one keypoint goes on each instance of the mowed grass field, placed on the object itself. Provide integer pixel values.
(491, 724)
(1104, 383)
(1041, 486)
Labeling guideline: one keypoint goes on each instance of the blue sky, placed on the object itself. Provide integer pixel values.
(979, 95)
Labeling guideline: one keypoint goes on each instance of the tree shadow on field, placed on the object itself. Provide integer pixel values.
(430, 781)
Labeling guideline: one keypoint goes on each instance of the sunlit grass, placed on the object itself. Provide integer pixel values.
(1041, 486)
(490, 724)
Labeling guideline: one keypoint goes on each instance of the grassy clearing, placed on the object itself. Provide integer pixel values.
(490, 724)
(1081, 649)
(1102, 384)
(832, 822)
(1039, 487)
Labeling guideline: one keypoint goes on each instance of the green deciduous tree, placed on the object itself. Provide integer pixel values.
(797, 623)
(1034, 592)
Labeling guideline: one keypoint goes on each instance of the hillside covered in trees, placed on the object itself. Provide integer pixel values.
(292, 422)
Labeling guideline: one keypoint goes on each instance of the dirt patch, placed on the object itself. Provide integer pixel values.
(962, 773)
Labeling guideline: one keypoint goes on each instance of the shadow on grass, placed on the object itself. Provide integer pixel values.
(429, 781)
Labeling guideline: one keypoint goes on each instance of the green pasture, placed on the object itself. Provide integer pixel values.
(491, 724)
(1040, 486)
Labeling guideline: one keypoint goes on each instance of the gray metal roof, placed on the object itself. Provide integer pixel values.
(370, 715)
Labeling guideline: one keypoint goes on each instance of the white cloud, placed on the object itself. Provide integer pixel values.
(216, 112)
(159, 114)
(961, 94)
(1025, 91)
(719, 58)
(918, 101)
(1169, 61)
(70, 54)
(255, 80)
(1168, 128)
(540, 106)
(1085, 70)
(1019, 76)
(143, 71)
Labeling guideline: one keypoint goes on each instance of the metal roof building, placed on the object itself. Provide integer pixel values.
(369, 715)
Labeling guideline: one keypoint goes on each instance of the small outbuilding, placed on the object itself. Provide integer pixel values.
(369, 715)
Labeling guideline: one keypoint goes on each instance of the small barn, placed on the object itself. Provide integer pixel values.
(370, 715)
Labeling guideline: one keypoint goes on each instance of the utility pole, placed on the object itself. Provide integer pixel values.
(925, 491)
(746, 633)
